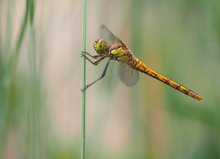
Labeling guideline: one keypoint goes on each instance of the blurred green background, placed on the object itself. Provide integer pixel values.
(40, 79)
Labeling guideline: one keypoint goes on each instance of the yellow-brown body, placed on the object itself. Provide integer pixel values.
(140, 66)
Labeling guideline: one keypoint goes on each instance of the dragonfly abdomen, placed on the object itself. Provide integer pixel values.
(140, 66)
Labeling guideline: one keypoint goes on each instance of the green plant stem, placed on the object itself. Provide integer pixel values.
(83, 136)
(33, 111)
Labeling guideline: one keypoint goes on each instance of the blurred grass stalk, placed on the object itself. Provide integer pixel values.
(83, 127)
(34, 102)
(7, 71)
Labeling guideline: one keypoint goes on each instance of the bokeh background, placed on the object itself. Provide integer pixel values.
(40, 80)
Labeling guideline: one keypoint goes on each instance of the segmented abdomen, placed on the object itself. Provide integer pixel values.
(140, 66)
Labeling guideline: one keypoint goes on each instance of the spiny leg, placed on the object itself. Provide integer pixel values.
(97, 61)
(103, 75)
(92, 56)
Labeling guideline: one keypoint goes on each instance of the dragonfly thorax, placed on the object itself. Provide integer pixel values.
(100, 46)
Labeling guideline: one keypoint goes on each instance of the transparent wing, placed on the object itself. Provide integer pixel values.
(109, 36)
(128, 75)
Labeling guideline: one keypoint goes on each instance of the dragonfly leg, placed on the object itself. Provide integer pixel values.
(97, 61)
(103, 75)
(92, 56)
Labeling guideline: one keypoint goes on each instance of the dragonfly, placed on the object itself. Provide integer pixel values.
(111, 47)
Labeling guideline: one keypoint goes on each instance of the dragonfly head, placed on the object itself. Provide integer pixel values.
(100, 46)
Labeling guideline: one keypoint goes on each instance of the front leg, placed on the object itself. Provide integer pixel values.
(97, 61)
(92, 56)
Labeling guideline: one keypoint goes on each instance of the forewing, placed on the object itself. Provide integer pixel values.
(107, 35)
(128, 75)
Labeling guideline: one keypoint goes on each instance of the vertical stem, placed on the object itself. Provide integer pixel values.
(83, 136)
(33, 102)
(33, 111)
